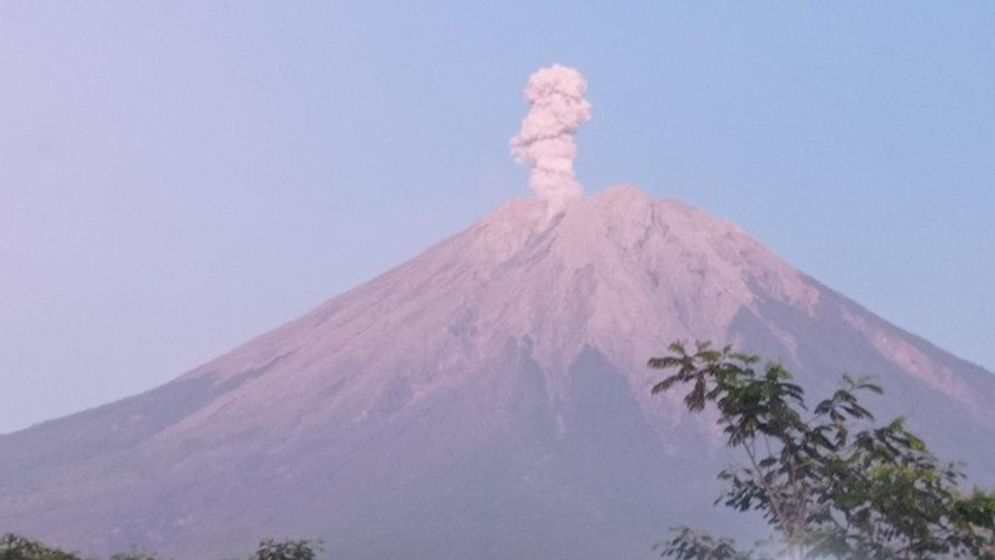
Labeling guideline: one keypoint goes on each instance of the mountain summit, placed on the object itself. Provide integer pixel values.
(487, 399)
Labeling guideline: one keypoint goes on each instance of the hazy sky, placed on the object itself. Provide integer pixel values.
(178, 177)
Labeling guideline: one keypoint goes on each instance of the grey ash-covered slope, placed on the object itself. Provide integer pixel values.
(488, 399)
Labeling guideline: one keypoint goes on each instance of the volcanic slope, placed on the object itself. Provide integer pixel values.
(487, 399)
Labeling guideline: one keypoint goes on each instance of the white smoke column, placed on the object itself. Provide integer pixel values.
(546, 141)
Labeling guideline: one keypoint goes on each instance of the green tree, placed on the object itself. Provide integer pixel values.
(286, 550)
(827, 481)
(16, 547)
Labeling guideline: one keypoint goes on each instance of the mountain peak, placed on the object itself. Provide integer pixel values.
(619, 271)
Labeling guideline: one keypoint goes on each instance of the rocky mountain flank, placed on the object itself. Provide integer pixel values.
(487, 399)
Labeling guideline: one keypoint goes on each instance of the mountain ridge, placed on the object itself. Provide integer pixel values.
(460, 400)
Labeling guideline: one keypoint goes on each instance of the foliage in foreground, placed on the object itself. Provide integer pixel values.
(16, 547)
(828, 482)
(287, 550)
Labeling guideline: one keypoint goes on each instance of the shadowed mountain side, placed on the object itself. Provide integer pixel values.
(487, 399)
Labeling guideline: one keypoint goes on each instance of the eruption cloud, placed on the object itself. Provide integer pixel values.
(557, 108)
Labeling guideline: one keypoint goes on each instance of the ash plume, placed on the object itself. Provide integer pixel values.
(557, 108)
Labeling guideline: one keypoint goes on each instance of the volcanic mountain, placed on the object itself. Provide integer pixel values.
(488, 399)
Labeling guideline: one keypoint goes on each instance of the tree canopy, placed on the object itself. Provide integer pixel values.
(828, 481)
(287, 550)
(17, 547)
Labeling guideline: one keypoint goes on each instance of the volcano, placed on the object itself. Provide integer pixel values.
(487, 399)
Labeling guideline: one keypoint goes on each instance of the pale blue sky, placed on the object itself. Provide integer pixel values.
(176, 178)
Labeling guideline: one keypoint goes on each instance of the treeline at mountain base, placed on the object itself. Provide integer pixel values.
(16, 547)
